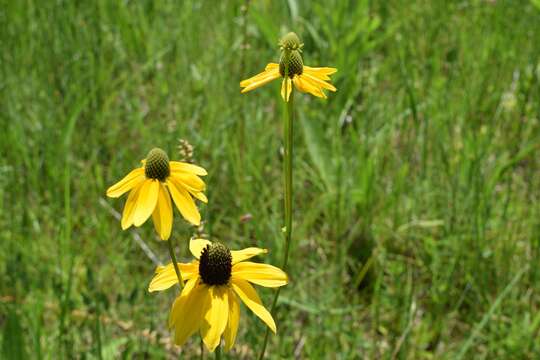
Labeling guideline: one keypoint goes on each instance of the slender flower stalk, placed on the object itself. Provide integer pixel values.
(307, 80)
(287, 186)
(175, 263)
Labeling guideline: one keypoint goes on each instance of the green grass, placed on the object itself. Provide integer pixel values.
(417, 187)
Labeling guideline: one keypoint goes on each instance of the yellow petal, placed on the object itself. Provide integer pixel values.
(196, 246)
(187, 180)
(187, 315)
(234, 319)
(286, 85)
(187, 167)
(146, 203)
(260, 274)
(184, 203)
(129, 208)
(259, 80)
(193, 184)
(300, 86)
(269, 69)
(271, 66)
(312, 87)
(216, 316)
(321, 83)
(200, 196)
(162, 215)
(307, 87)
(321, 72)
(249, 296)
(247, 253)
(177, 309)
(165, 276)
(134, 178)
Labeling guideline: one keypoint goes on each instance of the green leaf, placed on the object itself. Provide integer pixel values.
(13, 344)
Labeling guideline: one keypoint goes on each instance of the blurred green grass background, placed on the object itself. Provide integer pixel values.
(417, 187)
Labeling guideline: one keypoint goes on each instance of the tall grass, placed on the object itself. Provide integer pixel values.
(417, 217)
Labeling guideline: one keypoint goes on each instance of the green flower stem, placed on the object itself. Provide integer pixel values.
(288, 189)
(175, 264)
(202, 348)
(218, 352)
(288, 169)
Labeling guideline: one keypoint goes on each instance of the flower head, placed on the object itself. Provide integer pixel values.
(215, 282)
(306, 79)
(151, 187)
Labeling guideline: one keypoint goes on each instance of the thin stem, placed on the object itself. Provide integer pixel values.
(288, 190)
(288, 169)
(218, 352)
(202, 349)
(175, 264)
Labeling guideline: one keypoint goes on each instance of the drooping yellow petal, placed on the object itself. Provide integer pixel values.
(187, 167)
(199, 195)
(268, 70)
(286, 86)
(187, 180)
(216, 316)
(129, 208)
(196, 246)
(234, 319)
(321, 83)
(271, 66)
(184, 203)
(163, 215)
(254, 79)
(260, 274)
(187, 315)
(134, 178)
(146, 203)
(321, 72)
(165, 276)
(176, 313)
(313, 87)
(191, 183)
(247, 253)
(249, 296)
(259, 80)
(307, 87)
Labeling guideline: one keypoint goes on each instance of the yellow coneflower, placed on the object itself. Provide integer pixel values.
(151, 187)
(306, 79)
(214, 282)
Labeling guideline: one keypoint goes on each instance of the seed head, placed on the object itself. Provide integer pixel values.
(157, 165)
(215, 264)
(296, 65)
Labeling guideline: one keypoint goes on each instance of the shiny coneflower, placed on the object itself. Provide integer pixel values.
(215, 282)
(306, 79)
(151, 187)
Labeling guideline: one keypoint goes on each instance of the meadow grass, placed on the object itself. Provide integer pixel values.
(417, 186)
